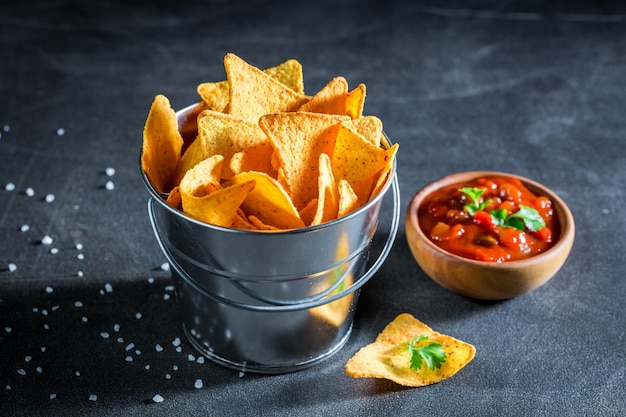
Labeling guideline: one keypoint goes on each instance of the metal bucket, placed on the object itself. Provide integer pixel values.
(269, 302)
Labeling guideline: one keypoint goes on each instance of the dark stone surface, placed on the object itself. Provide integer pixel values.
(525, 87)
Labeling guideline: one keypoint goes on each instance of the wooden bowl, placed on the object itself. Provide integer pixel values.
(481, 279)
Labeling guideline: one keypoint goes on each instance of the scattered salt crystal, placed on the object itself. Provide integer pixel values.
(9, 186)
(175, 367)
(9, 330)
(43, 349)
(46, 327)
(54, 308)
(137, 352)
(120, 340)
(198, 384)
(39, 369)
(168, 376)
(130, 346)
(242, 374)
(77, 373)
(28, 359)
(79, 274)
(151, 280)
(200, 360)
(158, 348)
(47, 240)
(101, 292)
(104, 335)
(109, 171)
(12, 267)
(35, 309)
(79, 246)
(157, 399)
(60, 131)
(8, 387)
(165, 266)
(176, 342)
(78, 304)
(191, 358)
(166, 297)
(147, 367)
(53, 396)
(108, 287)
(21, 371)
(49, 290)
(49, 198)
(6, 128)
(54, 251)
(85, 319)
(30, 192)
(25, 228)
(44, 312)
(116, 328)
(93, 397)
(80, 256)
(179, 349)
(129, 358)
(138, 315)
(109, 186)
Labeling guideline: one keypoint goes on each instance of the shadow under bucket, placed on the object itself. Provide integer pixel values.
(269, 302)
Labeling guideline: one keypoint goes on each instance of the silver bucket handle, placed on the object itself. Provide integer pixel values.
(393, 230)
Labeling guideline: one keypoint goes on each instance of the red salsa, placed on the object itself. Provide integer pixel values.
(485, 222)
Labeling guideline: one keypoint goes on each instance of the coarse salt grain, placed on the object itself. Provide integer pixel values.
(198, 384)
(30, 192)
(200, 360)
(175, 367)
(109, 186)
(12, 267)
(77, 373)
(60, 131)
(166, 297)
(104, 335)
(53, 396)
(80, 256)
(165, 266)
(9, 186)
(93, 397)
(78, 304)
(120, 340)
(54, 251)
(116, 328)
(191, 358)
(49, 198)
(108, 288)
(85, 319)
(176, 341)
(138, 316)
(47, 240)
(25, 228)
(130, 346)
(21, 371)
(147, 367)
(49, 290)
(157, 399)
(39, 369)
(168, 376)
(79, 246)
(28, 359)
(6, 128)
(129, 358)
(9, 330)
(80, 274)
(158, 348)
(109, 171)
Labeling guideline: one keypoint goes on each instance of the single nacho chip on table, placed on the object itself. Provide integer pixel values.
(389, 356)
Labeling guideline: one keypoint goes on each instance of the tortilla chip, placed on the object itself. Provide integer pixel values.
(355, 100)
(331, 99)
(253, 93)
(259, 225)
(370, 127)
(216, 94)
(388, 356)
(386, 171)
(204, 178)
(162, 145)
(225, 134)
(308, 212)
(268, 202)
(298, 139)
(256, 158)
(219, 207)
(174, 198)
(357, 161)
(348, 200)
(328, 200)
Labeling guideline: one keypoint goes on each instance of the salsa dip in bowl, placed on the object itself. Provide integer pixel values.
(489, 235)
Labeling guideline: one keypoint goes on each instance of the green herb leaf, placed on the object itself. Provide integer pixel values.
(432, 353)
(531, 218)
(474, 194)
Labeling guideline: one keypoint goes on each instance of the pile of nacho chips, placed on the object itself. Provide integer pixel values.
(388, 357)
(267, 156)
